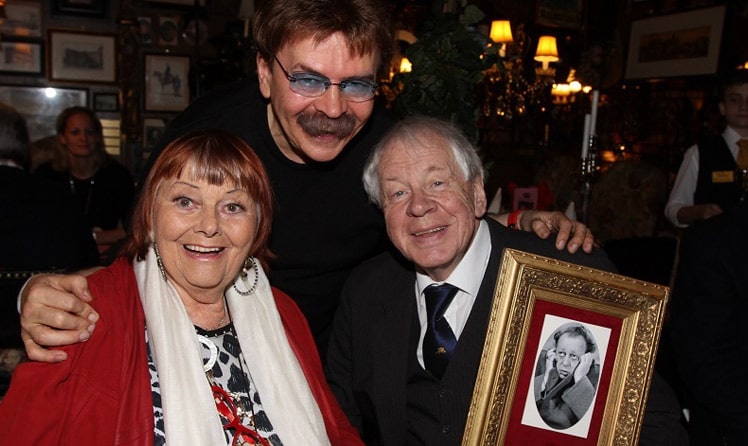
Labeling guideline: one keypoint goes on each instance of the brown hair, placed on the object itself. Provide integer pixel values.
(365, 23)
(61, 162)
(216, 157)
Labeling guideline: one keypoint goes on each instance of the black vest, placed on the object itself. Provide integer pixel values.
(718, 180)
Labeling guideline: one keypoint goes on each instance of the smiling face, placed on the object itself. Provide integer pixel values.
(569, 351)
(315, 129)
(80, 135)
(432, 213)
(203, 233)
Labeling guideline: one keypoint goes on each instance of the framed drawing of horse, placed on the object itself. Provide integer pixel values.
(166, 83)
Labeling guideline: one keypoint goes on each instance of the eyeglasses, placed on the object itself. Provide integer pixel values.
(227, 408)
(312, 85)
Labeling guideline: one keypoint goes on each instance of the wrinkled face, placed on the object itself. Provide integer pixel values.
(431, 211)
(203, 233)
(734, 107)
(569, 350)
(79, 136)
(318, 128)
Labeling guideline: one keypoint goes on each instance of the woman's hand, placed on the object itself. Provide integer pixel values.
(543, 223)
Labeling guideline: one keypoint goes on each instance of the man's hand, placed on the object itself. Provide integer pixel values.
(54, 312)
(583, 368)
(543, 223)
(689, 214)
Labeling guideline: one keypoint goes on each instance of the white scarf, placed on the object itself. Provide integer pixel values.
(190, 415)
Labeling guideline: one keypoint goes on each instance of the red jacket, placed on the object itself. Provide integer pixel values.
(102, 394)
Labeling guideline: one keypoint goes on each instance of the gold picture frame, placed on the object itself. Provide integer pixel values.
(536, 297)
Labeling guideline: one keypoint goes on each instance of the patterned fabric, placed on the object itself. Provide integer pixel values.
(228, 374)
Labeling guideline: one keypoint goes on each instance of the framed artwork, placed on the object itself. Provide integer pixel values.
(91, 8)
(683, 44)
(24, 20)
(559, 14)
(153, 129)
(105, 102)
(168, 31)
(21, 57)
(41, 105)
(166, 82)
(82, 57)
(146, 30)
(551, 320)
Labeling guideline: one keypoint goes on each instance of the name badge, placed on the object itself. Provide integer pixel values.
(723, 176)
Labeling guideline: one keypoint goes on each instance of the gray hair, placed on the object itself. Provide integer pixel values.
(416, 130)
(14, 135)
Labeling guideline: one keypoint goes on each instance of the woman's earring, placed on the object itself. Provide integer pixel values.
(243, 276)
(159, 262)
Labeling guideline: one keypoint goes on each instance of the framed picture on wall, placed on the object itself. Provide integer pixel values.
(91, 8)
(105, 102)
(82, 57)
(41, 105)
(168, 31)
(24, 19)
(18, 57)
(166, 82)
(544, 311)
(559, 14)
(683, 44)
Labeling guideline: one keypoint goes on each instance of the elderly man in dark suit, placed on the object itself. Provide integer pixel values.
(404, 315)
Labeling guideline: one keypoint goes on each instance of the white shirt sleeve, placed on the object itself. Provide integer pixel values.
(684, 187)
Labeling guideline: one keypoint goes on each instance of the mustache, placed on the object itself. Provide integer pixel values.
(317, 124)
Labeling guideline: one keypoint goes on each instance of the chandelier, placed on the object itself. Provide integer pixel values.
(514, 83)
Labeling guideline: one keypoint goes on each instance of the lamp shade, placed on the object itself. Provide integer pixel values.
(501, 31)
(547, 51)
(405, 65)
(247, 9)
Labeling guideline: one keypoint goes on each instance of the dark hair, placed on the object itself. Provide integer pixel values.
(577, 331)
(365, 24)
(733, 78)
(216, 157)
(14, 135)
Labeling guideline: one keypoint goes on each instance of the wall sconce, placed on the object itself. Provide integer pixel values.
(501, 32)
(405, 65)
(246, 12)
(546, 53)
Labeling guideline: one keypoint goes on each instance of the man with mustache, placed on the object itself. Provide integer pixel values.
(312, 122)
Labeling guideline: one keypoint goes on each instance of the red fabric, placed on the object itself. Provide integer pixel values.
(101, 394)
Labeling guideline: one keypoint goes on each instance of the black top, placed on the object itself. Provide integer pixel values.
(105, 199)
(323, 224)
(715, 157)
(40, 230)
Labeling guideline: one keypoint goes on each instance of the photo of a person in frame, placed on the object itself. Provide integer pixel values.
(567, 378)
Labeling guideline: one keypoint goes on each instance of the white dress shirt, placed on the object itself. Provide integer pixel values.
(467, 277)
(688, 175)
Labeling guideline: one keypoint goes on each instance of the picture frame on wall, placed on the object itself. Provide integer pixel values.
(168, 31)
(105, 102)
(82, 57)
(89, 8)
(682, 44)
(166, 82)
(41, 105)
(24, 19)
(559, 14)
(21, 57)
(537, 302)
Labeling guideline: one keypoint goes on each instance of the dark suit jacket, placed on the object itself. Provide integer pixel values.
(369, 352)
(708, 326)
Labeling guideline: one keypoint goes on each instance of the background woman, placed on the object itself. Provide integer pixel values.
(227, 359)
(104, 188)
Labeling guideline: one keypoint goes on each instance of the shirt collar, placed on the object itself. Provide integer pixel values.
(468, 275)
